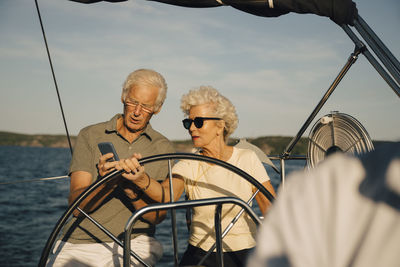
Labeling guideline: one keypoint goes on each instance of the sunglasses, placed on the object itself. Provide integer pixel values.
(198, 122)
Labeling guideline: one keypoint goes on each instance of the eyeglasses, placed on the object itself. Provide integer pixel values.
(133, 104)
(198, 122)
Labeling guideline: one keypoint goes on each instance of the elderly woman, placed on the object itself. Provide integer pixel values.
(211, 120)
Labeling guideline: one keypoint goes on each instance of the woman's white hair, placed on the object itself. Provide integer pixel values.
(147, 77)
(223, 108)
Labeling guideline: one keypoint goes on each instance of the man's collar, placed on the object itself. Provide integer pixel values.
(111, 127)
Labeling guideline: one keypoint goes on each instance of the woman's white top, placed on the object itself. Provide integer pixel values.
(203, 180)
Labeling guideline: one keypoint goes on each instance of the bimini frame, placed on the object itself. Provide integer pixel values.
(391, 75)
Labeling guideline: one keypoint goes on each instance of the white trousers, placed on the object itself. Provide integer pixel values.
(104, 254)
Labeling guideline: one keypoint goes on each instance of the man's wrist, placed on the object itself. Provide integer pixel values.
(148, 184)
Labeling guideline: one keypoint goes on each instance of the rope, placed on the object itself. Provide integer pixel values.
(35, 180)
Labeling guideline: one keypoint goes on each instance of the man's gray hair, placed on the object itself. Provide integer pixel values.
(147, 77)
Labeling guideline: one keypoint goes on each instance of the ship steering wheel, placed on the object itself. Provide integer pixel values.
(171, 156)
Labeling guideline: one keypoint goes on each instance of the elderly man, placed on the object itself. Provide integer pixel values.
(83, 243)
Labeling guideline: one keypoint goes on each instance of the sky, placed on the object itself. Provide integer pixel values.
(274, 70)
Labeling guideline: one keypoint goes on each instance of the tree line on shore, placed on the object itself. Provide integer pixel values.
(270, 145)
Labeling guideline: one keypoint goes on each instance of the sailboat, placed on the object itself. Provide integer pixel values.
(366, 43)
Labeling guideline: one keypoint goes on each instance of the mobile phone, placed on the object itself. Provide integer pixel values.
(108, 147)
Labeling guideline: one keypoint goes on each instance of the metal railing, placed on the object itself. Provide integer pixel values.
(189, 204)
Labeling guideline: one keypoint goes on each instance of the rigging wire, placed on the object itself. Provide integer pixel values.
(54, 76)
(61, 107)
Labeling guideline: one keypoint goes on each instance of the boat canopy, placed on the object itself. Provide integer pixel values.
(340, 11)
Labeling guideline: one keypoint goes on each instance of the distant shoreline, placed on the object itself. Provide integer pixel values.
(268, 144)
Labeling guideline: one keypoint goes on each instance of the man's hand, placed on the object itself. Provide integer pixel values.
(133, 171)
(104, 166)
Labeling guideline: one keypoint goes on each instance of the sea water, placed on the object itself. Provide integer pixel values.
(30, 210)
